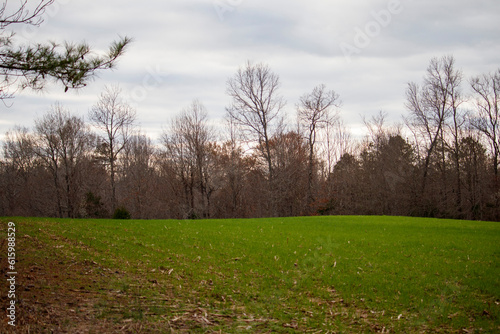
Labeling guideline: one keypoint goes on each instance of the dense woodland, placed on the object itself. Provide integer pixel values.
(440, 161)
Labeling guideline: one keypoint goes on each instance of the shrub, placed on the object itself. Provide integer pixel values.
(93, 207)
(121, 213)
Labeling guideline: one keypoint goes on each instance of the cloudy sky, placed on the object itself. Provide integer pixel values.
(365, 50)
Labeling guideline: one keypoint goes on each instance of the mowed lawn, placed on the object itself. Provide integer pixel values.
(305, 274)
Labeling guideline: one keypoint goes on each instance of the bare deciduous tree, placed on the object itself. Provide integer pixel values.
(64, 141)
(431, 106)
(314, 112)
(115, 118)
(291, 163)
(18, 172)
(337, 141)
(487, 92)
(256, 106)
(188, 145)
(139, 180)
(19, 149)
(21, 13)
(475, 178)
(458, 119)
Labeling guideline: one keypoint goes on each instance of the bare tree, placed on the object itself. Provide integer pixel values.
(115, 118)
(378, 131)
(18, 149)
(314, 113)
(474, 165)
(337, 141)
(22, 14)
(291, 163)
(458, 120)
(18, 173)
(256, 107)
(188, 145)
(140, 180)
(176, 161)
(430, 109)
(63, 143)
(48, 149)
(232, 164)
(486, 89)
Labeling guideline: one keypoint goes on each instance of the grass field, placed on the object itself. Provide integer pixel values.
(280, 275)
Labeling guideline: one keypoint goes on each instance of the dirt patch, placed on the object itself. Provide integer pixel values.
(59, 294)
(58, 291)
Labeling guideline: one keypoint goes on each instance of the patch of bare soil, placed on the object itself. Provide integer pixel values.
(57, 294)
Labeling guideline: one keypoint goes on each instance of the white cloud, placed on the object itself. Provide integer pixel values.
(186, 49)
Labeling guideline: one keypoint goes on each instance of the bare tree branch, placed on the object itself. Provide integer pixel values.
(22, 14)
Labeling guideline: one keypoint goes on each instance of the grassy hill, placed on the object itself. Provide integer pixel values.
(280, 275)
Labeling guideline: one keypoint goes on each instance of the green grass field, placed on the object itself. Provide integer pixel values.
(279, 275)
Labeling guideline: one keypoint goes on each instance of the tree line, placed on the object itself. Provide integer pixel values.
(441, 161)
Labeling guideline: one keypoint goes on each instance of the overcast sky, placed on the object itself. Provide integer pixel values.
(365, 50)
